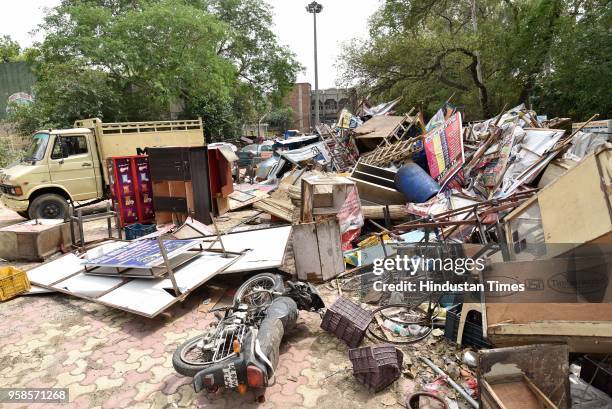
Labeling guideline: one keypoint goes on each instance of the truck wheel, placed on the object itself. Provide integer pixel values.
(48, 206)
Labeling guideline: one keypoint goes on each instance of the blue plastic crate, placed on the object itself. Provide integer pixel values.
(133, 231)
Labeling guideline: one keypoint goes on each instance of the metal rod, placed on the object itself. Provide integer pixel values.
(316, 69)
(218, 235)
(162, 249)
(81, 230)
(108, 220)
(452, 383)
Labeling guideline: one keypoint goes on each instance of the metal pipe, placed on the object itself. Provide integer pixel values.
(315, 8)
(452, 383)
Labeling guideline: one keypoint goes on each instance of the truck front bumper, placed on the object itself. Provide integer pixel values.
(14, 204)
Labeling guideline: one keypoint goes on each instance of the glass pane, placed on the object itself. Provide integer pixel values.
(66, 146)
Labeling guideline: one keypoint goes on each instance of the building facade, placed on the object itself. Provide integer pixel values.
(299, 101)
(331, 102)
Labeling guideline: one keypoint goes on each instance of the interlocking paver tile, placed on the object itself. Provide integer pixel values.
(112, 359)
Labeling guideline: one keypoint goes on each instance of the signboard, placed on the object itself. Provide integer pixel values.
(141, 254)
(444, 149)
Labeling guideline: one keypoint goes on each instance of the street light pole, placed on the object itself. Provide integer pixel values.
(315, 8)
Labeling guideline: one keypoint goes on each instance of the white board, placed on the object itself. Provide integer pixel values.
(266, 248)
(55, 270)
(142, 296)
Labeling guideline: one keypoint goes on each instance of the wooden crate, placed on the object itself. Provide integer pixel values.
(317, 250)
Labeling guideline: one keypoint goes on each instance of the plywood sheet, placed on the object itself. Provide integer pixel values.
(516, 395)
(140, 295)
(147, 297)
(581, 190)
(378, 126)
(306, 252)
(266, 248)
(330, 248)
(55, 270)
(87, 285)
(203, 267)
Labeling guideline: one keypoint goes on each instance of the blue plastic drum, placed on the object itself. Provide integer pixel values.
(415, 184)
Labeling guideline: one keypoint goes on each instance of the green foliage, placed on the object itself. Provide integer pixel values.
(280, 119)
(125, 60)
(10, 50)
(549, 53)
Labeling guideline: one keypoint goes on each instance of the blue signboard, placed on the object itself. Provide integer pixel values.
(141, 254)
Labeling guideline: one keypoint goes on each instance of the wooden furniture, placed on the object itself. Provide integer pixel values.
(220, 160)
(180, 184)
(376, 185)
(317, 250)
(574, 209)
(525, 377)
(323, 196)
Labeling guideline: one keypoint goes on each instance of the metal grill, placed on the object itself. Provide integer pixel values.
(5, 189)
(226, 338)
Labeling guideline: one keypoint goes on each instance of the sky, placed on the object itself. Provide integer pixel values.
(340, 21)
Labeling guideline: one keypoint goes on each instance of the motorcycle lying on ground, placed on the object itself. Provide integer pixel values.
(241, 349)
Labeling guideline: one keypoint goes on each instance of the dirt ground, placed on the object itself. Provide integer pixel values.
(108, 358)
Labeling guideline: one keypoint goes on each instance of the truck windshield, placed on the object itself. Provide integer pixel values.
(37, 149)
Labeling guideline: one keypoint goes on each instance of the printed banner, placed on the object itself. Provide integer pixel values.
(444, 149)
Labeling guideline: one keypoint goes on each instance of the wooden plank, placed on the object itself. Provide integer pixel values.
(545, 365)
(568, 328)
(581, 190)
(279, 208)
(330, 248)
(514, 395)
(306, 252)
(307, 202)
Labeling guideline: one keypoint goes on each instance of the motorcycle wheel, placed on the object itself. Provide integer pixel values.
(185, 368)
(259, 283)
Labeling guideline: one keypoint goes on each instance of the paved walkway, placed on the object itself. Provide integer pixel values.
(110, 359)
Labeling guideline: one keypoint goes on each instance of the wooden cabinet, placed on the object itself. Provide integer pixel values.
(180, 184)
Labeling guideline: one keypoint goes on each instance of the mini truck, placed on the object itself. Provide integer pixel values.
(64, 166)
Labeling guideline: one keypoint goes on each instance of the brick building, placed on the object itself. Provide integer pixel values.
(300, 102)
(331, 102)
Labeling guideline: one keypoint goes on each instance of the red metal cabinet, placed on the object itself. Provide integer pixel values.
(131, 189)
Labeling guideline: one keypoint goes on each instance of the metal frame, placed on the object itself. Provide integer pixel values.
(155, 270)
(179, 297)
(79, 219)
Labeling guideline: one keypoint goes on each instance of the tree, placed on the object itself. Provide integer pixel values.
(131, 60)
(9, 50)
(280, 119)
(427, 50)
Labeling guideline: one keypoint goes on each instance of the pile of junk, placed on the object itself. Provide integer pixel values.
(470, 258)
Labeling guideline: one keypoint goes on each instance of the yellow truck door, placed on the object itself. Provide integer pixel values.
(71, 165)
